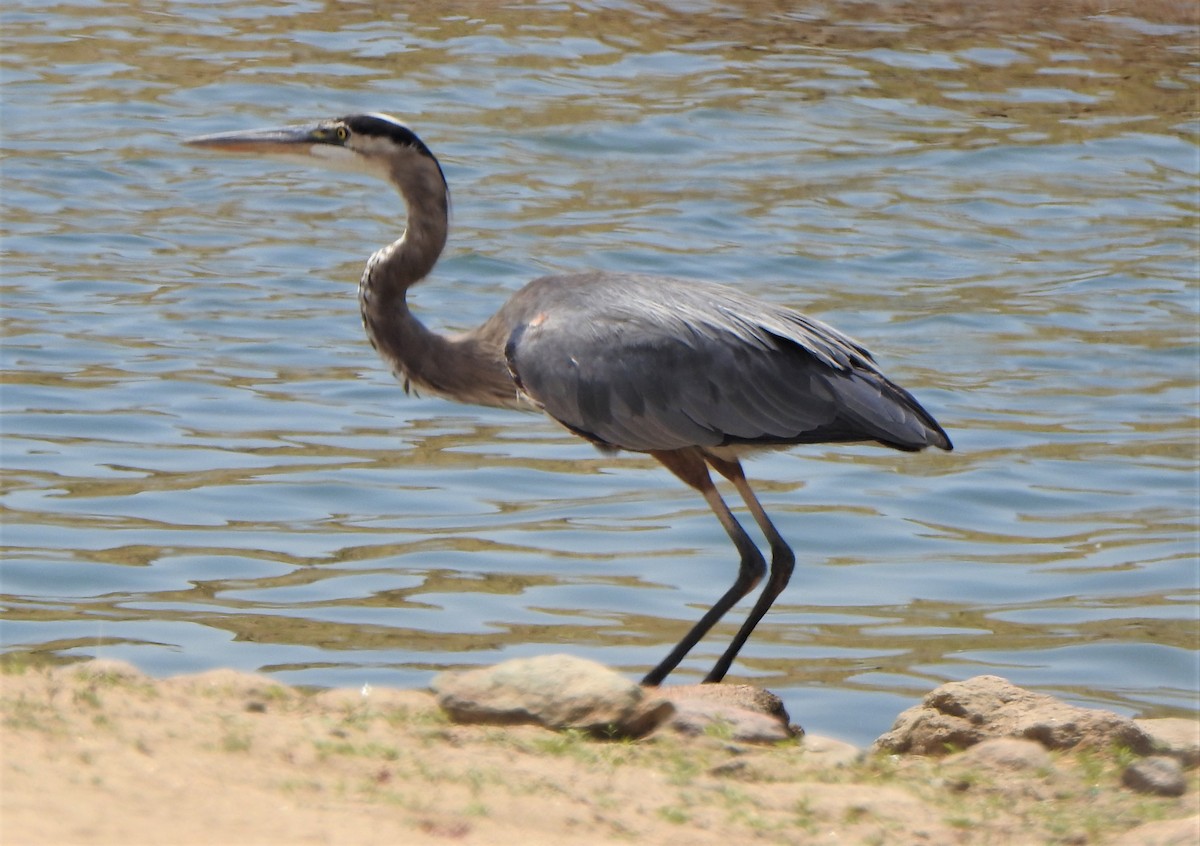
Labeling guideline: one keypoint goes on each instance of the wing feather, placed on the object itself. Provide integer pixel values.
(649, 363)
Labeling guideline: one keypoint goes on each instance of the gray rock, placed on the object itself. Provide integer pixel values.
(1159, 775)
(743, 696)
(694, 717)
(555, 691)
(1176, 737)
(960, 714)
(734, 712)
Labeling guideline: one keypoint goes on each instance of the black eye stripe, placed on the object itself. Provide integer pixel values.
(380, 127)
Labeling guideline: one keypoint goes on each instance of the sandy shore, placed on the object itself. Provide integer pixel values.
(101, 754)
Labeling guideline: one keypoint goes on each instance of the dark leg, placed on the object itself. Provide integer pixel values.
(688, 465)
(783, 561)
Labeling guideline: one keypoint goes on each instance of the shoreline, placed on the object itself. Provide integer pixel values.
(99, 753)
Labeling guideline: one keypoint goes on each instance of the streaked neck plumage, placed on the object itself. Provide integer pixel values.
(467, 368)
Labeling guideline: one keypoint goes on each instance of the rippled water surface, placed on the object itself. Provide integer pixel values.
(205, 465)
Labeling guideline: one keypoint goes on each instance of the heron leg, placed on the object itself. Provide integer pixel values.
(783, 562)
(689, 465)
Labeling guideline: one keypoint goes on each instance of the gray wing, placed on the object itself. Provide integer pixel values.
(649, 363)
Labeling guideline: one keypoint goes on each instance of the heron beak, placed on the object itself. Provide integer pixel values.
(287, 140)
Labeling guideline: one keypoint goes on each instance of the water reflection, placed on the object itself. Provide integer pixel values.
(205, 465)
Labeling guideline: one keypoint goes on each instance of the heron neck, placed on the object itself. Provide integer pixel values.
(395, 268)
(466, 368)
(392, 270)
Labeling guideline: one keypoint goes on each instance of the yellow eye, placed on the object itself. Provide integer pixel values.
(342, 133)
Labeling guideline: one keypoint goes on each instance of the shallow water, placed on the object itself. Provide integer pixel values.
(205, 465)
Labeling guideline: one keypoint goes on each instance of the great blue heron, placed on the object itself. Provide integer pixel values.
(693, 374)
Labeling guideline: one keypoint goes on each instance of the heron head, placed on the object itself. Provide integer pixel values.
(374, 143)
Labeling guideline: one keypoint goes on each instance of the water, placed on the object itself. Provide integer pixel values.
(205, 465)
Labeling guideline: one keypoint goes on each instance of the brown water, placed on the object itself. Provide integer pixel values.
(205, 465)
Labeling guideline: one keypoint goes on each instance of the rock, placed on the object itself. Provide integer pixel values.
(1174, 736)
(1004, 753)
(1010, 767)
(829, 752)
(555, 691)
(743, 696)
(735, 712)
(694, 717)
(741, 767)
(1158, 774)
(960, 714)
(1185, 832)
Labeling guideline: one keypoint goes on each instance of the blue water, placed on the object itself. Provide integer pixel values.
(205, 465)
